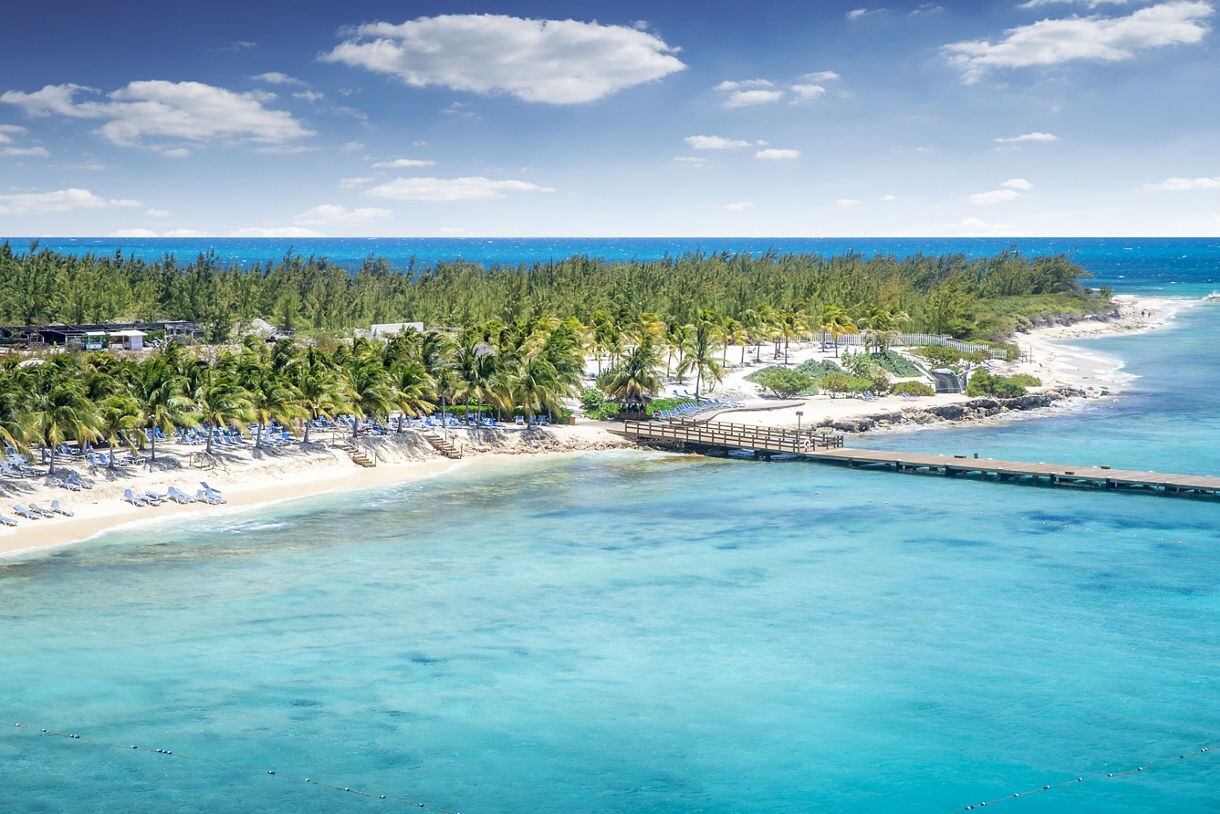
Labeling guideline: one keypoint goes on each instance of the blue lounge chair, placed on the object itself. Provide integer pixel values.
(55, 507)
(8, 521)
(38, 510)
(63, 484)
(209, 489)
(152, 497)
(132, 499)
(210, 498)
(26, 513)
(179, 496)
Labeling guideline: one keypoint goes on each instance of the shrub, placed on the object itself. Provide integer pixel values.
(858, 364)
(591, 399)
(986, 383)
(939, 355)
(785, 382)
(912, 389)
(840, 383)
(896, 363)
(817, 368)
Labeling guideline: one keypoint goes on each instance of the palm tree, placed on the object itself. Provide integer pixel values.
(536, 387)
(118, 415)
(414, 389)
(271, 398)
(157, 389)
(835, 321)
(636, 378)
(57, 413)
(702, 350)
(368, 390)
(221, 400)
(734, 333)
(321, 394)
(476, 362)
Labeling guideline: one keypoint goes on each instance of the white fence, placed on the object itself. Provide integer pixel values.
(911, 340)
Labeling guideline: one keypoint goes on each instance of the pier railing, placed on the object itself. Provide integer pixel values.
(733, 436)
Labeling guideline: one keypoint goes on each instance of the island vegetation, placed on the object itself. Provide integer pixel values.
(510, 339)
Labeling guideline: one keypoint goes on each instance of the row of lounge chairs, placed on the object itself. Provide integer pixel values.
(33, 511)
(693, 407)
(142, 498)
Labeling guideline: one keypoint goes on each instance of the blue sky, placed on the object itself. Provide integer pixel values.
(1042, 117)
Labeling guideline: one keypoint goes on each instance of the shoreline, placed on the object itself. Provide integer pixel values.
(280, 475)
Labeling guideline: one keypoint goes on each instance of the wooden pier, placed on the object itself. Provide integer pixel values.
(768, 441)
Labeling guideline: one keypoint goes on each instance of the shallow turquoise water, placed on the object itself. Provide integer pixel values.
(632, 632)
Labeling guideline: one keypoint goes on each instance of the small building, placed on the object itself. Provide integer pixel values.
(95, 340)
(384, 329)
(129, 339)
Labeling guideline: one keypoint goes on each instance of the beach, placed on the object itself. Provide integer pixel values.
(289, 472)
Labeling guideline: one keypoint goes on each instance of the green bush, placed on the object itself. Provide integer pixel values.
(591, 399)
(939, 355)
(1026, 380)
(817, 368)
(785, 382)
(840, 383)
(896, 363)
(986, 383)
(912, 389)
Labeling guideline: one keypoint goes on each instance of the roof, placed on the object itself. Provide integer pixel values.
(128, 332)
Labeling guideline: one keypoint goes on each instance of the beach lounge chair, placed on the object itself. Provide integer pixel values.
(63, 484)
(34, 507)
(209, 489)
(179, 496)
(152, 497)
(7, 521)
(79, 481)
(210, 498)
(132, 499)
(55, 507)
(26, 513)
(11, 471)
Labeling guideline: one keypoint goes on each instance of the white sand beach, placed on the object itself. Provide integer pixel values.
(248, 480)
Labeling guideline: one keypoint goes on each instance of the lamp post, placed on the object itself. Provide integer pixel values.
(799, 414)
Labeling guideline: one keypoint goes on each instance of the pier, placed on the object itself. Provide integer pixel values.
(765, 442)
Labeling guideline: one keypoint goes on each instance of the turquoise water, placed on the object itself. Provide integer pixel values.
(643, 632)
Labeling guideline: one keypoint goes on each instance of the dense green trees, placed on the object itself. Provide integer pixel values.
(949, 294)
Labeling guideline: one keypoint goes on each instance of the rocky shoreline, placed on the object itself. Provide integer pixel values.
(978, 409)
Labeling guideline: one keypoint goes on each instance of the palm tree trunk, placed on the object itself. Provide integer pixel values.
(258, 435)
(153, 444)
(51, 469)
(211, 429)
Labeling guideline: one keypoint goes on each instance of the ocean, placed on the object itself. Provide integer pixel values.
(648, 632)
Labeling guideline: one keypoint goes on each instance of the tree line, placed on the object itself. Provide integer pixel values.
(949, 294)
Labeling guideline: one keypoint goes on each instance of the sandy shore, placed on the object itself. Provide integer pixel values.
(248, 479)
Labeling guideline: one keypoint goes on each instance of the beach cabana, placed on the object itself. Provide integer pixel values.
(130, 339)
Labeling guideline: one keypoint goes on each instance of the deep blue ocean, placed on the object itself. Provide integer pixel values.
(1127, 263)
(642, 632)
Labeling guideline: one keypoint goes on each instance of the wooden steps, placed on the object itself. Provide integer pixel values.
(358, 456)
(443, 446)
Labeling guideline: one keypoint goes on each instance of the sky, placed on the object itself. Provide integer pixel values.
(716, 118)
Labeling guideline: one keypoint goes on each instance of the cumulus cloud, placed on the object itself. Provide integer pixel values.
(1009, 190)
(1026, 137)
(739, 206)
(550, 61)
(162, 115)
(277, 78)
(157, 213)
(7, 131)
(1030, 4)
(326, 214)
(352, 146)
(399, 163)
(978, 226)
(775, 154)
(807, 92)
(846, 203)
(310, 96)
(62, 200)
(1102, 39)
(749, 92)
(716, 143)
(26, 152)
(133, 233)
(472, 188)
(690, 160)
(358, 181)
(1185, 184)
(860, 13)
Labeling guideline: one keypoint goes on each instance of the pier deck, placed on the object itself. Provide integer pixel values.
(766, 441)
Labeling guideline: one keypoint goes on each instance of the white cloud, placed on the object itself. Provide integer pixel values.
(550, 61)
(184, 233)
(1029, 4)
(690, 160)
(352, 146)
(1185, 184)
(1103, 39)
(1019, 184)
(807, 92)
(157, 213)
(161, 115)
(325, 214)
(277, 78)
(716, 143)
(7, 129)
(889, 198)
(63, 200)
(310, 96)
(399, 163)
(279, 231)
(995, 196)
(775, 154)
(978, 226)
(474, 188)
(133, 233)
(746, 98)
(859, 13)
(820, 76)
(846, 203)
(26, 152)
(1026, 137)
(739, 206)
(350, 183)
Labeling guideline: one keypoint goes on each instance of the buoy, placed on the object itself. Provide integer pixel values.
(133, 746)
(271, 771)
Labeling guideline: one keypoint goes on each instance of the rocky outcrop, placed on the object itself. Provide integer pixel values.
(973, 410)
(1054, 320)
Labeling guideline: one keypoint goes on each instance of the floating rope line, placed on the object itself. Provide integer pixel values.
(236, 767)
(1078, 780)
